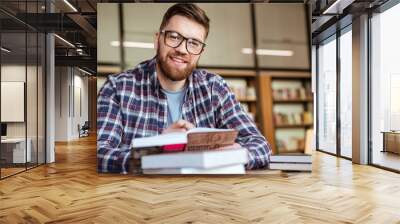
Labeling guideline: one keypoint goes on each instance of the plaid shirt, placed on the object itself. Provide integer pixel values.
(131, 105)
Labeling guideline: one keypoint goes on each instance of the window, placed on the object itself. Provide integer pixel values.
(385, 86)
(22, 77)
(326, 99)
(346, 92)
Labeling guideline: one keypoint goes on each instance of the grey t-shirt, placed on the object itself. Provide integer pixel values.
(175, 101)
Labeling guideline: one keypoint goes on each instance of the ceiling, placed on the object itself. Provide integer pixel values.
(328, 16)
(73, 20)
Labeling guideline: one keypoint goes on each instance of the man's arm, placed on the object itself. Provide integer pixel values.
(110, 157)
(231, 115)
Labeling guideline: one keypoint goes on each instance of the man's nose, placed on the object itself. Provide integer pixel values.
(182, 48)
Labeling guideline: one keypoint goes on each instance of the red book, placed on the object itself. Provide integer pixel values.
(173, 147)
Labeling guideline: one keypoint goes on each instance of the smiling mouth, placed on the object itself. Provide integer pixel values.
(177, 60)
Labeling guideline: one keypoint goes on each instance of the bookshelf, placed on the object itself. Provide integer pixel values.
(286, 107)
(243, 85)
(293, 126)
(294, 101)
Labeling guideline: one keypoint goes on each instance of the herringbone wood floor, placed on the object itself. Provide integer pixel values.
(71, 191)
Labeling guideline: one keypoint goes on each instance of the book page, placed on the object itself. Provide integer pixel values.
(200, 130)
(160, 140)
(181, 138)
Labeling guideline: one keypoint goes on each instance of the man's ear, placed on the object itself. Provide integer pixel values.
(202, 51)
(156, 36)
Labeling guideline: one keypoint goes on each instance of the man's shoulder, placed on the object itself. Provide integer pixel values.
(138, 73)
(212, 81)
(206, 76)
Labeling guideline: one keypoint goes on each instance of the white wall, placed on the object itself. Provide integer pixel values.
(80, 110)
(14, 73)
(33, 126)
(61, 103)
(71, 102)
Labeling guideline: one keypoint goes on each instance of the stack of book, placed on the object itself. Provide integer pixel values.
(198, 151)
(291, 162)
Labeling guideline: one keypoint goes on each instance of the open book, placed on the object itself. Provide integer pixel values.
(192, 140)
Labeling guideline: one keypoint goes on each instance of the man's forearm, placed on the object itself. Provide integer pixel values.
(259, 153)
(113, 160)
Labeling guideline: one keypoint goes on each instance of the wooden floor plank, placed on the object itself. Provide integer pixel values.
(71, 191)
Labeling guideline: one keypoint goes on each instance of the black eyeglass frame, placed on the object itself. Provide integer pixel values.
(183, 39)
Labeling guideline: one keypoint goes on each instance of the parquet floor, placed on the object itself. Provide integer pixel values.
(10, 171)
(387, 159)
(71, 191)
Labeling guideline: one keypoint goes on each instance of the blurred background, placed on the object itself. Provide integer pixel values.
(262, 51)
(280, 28)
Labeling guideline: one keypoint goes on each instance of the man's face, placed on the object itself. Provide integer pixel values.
(177, 63)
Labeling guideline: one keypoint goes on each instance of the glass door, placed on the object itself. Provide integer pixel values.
(22, 88)
(346, 92)
(13, 103)
(326, 99)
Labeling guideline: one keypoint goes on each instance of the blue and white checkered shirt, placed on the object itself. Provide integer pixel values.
(131, 105)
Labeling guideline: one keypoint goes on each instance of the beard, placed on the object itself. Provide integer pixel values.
(170, 71)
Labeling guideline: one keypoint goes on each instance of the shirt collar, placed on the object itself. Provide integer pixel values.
(151, 65)
(155, 83)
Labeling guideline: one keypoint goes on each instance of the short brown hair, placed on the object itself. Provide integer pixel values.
(188, 10)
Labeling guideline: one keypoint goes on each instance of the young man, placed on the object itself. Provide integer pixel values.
(167, 93)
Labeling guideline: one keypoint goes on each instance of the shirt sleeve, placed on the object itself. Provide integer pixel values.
(110, 157)
(231, 115)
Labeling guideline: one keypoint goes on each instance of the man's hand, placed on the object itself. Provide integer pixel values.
(179, 126)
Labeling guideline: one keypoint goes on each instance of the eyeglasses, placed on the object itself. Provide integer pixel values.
(174, 39)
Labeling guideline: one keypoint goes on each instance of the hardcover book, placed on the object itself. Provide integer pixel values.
(192, 140)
